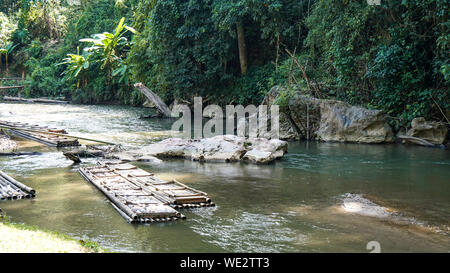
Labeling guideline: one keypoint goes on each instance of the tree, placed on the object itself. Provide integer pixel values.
(273, 21)
(230, 14)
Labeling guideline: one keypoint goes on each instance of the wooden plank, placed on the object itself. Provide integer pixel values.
(37, 100)
(11, 79)
(11, 87)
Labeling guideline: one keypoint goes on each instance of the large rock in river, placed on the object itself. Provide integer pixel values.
(329, 120)
(305, 114)
(227, 148)
(342, 122)
(432, 131)
(288, 130)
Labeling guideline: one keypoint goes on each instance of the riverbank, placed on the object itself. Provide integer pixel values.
(15, 238)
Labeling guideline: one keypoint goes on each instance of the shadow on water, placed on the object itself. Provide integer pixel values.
(292, 205)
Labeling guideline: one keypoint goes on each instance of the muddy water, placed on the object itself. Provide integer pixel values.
(320, 198)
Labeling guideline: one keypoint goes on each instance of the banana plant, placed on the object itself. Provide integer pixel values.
(107, 44)
(123, 72)
(2, 51)
(7, 51)
(77, 66)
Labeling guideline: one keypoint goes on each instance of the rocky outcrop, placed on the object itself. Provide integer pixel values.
(7, 145)
(227, 148)
(431, 131)
(329, 120)
(305, 114)
(342, 122)
(288, 130)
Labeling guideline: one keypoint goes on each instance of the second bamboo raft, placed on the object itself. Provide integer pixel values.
(49, 140)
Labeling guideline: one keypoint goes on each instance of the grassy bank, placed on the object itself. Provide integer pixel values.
(20, 238)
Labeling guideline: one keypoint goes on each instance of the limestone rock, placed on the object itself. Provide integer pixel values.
(329, 120)
(432, 131)
(342, 122)
(288, 130)
(226, 148)
(305, 113)
(7, 145)
(264, 151)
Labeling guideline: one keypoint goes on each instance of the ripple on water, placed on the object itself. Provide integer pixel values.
(25, 165)
(248, 232)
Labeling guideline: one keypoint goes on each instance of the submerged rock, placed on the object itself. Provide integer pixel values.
(329, 120)
(357, 204)
(227, 148)
(431, 131)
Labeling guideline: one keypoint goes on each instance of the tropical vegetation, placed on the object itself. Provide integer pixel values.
(394, 56)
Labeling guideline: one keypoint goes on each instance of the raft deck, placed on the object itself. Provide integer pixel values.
(141, 197)
(49, 140)
(11, 189)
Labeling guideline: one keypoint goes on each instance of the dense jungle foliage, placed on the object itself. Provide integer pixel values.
(394, 56)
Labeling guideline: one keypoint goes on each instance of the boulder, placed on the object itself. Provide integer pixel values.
(329, 120)
(223, 148)
(262, 150)
(288, 130)
(432, 131)
(305, 113)
(342, 122)
(7, 145)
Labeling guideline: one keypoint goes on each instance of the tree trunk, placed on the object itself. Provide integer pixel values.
(159, 103)
(242, 47)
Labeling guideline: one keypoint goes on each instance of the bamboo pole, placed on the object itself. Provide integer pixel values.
(19, 153)
(55, 134)
(17, 183)
(110, 196)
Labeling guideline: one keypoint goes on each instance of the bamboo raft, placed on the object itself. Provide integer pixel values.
(49, 140)
(141, 197)
(11, 189)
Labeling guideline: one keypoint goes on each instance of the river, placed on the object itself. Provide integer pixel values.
(293, 205)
